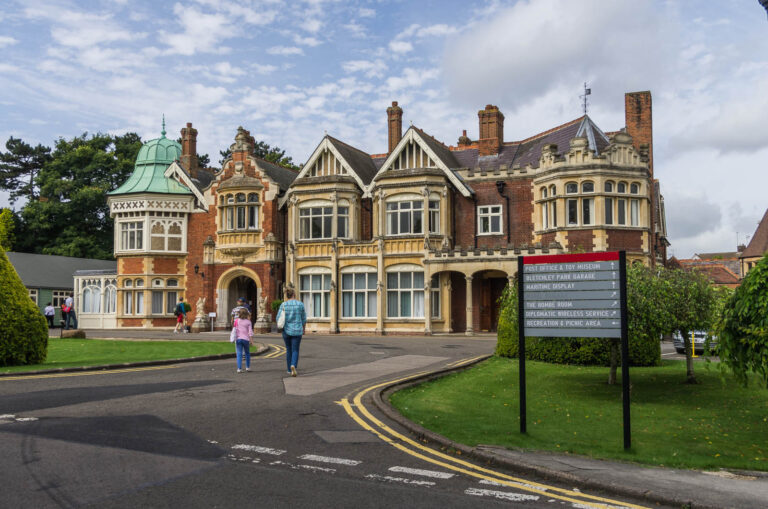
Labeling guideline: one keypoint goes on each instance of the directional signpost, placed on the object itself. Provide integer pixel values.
(574, 296)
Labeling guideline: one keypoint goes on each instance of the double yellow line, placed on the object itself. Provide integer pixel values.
(274, 351)
(361, 415)
(86, 373)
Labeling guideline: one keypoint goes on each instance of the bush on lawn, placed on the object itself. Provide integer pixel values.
(644, 349)
(23, 329)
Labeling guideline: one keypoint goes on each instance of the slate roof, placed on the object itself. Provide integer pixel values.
(361, 163)
(528, 151)
(47, 271)
(759, 243)
(440, 150)
(282, 176)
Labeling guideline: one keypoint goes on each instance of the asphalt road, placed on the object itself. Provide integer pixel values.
(200, 435)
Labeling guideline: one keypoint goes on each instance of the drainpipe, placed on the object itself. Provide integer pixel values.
(474, 216)
(500, 189)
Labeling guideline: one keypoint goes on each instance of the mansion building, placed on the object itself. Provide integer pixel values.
(421, 239)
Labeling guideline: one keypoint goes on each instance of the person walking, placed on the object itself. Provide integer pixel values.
(295, 321)
(69, 309)
(244, 333)
(49, 311)
(181, 316)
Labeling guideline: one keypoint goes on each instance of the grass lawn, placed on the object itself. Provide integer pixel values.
(572, 409)
(67, 353)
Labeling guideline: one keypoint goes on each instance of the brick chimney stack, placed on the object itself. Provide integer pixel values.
(394, 125)
(189, 149)
(637, 115)
(491, 130)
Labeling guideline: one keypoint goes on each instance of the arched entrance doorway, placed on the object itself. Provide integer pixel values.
(488, 287)
(245, 287)
(233, 284)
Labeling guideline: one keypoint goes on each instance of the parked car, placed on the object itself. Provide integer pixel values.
(701, 340)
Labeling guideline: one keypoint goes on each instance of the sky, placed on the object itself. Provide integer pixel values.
(292, 71)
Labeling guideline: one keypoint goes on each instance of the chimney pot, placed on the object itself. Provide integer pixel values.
(394, 126)
(189, 149)
(491, 130)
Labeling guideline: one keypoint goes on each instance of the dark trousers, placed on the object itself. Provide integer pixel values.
(70, 316)
(50, 321)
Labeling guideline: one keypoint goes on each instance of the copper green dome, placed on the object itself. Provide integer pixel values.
(148, 172)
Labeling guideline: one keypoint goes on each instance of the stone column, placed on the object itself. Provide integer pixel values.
(427, 305)
(447, 301)
(470, 328)
(334, 311)
(380, 288)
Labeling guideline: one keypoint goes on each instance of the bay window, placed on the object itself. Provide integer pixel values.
(315, 293)
(405, 217)
(634, 212)
(132, 236)
(342, 222)
(434, 216)
(315, 223)
(239, 212)
(405, 294)
(358, 295)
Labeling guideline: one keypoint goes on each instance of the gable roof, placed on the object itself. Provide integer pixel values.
(759, 243)
(175, 169)
(361, 162)
(283, 177)
(48, 271)
(718, 273)
(442, 155)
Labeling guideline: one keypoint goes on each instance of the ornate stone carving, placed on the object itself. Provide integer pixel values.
(200, 309)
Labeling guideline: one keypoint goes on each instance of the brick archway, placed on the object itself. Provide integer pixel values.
(236, 278)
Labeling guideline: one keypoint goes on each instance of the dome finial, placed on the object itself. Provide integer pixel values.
(163, 131)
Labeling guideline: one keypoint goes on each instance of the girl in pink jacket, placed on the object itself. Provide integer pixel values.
(244, 329)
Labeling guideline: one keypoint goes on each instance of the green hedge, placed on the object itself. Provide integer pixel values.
(643, 351)
(23, 329)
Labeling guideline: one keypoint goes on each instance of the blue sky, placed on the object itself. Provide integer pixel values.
(290, 71)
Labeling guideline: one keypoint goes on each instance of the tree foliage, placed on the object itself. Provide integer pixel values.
(23, 329)
(743, 329)
(6, 229)
(71, 218)
(690, 303)
(19, 166)
(263, 150)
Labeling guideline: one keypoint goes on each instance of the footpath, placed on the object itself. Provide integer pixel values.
(666, 486)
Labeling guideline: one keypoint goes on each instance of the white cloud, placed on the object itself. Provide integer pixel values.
(371, 69)
(202, 32)
(81, 29)
(7, 41)
(400, 46)
(366, 13)
(411, 78)
(285, 50)
(356, 29)
(419, 31)
(311, 25)
(307, 41)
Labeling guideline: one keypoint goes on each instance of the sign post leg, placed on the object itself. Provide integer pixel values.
(521, 341)
(624, 349)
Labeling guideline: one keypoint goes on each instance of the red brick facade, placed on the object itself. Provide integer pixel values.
(625, 240)
(581, 241)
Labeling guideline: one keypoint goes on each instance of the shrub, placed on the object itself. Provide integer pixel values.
(743, 330)
(276, 305)
(23, 329)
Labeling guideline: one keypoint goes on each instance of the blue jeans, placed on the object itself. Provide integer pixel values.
(71, 316)
(243, 348)
(291, 350)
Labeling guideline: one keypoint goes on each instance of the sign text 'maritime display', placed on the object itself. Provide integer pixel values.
(572, 295)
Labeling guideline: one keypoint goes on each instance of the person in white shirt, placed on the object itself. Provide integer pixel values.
(49, 312)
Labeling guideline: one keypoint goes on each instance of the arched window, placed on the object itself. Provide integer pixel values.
(110, 298)
(621, 187)
(315, 291)
(552, 190)
(587, 187)
(634, 188)
(571, 188)
(609, 187)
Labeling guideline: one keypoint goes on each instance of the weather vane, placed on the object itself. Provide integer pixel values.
(587, 91)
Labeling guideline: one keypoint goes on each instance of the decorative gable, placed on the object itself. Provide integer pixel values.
(175, 171)
(418, 150)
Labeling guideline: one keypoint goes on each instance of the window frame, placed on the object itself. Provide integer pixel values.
(309, 295)
(396, 212)
(368, 292)
(413, 292)
(488, 213)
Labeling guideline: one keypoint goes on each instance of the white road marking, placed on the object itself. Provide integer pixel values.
(259, 449)
(389, 478)
(520, 484)
(502, 495)
(313, 468)
(326, 459)
(25, 419)
(7, 416)
(424, 473)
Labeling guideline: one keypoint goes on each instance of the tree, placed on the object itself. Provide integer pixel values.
(23, 329)
(743, 329)
(71, 218)
(6, 230)
(263, 150)
(691, 303)
(19, 166)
